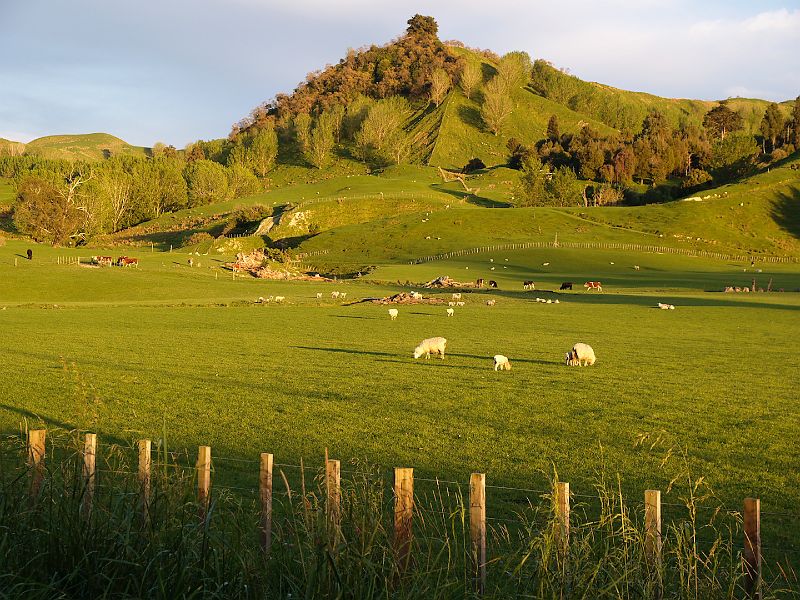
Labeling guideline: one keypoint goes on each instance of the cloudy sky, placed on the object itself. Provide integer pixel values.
(181, 70)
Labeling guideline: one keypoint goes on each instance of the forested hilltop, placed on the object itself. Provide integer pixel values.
(415, 100)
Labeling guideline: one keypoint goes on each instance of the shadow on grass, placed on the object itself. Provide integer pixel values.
(787, 211)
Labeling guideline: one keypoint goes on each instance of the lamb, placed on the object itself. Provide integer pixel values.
(580, 354)
(501, 363)
(664, 306)
(450, 312)
(393, 312)
(334, 294)
(490, 302)
(456, 296)
(451, 303)
(279, 298)
(431, 346)
(343, 295)
(460, 303)
(319, 295)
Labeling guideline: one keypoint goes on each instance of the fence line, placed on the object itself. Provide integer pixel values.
(607, 246)
(404, 504)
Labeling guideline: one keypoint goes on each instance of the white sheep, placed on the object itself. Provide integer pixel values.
(636, 267)
(319, 295)
(334, 295)
(501, 363)
(664, 306)
(279, 298)
(490, 302)
(393, 312)
(343, 295)
(431, 346)
(460, 303)
(456, 296)
(580, 354)
(451, 303)
(450, 312)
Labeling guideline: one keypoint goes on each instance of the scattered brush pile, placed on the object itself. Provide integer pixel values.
(406, 298)
(445, 282)
(269, 264)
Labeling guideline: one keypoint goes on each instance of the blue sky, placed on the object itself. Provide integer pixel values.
(181, 70)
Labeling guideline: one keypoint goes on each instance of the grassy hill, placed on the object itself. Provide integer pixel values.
(87, 146)
(626, 109)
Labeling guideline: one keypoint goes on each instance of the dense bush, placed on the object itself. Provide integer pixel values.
(199, 237)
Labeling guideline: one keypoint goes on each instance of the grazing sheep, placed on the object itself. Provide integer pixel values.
(456, 296)
(319, 295)
(279, 298)
(260, 300)
(393, 312)
(451, 303)
(581, 354)
(501, 363)
(636, 267)
(450, 312)
(491, 268)
(664, 306)
(416, 295)
(431, 346)
(547, 264)
(491, 302)
(334, 295)
(343, 295)
(460, 303)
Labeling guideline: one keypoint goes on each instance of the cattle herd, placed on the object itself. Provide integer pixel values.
(122, 261)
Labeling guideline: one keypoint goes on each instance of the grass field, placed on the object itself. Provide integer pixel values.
(134, 353)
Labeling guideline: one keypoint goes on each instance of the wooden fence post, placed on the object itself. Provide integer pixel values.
(36, 449)
(652, 526)
(204, 479)
(145, 462)
(89, 473)
(477, 527)
(752, 547)
(333, 488)
(265, 494)
(562, 515)
(403, 515)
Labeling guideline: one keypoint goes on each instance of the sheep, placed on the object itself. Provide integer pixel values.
(431, 345)
(460, 303)
(456, 296)
(451, 303)
(334, 295)
(450, 312)
(490, 302)
(393, 312)
(581, 354)
(636, 267)
(343, 295)
(279, 298)
(664, 306)
(491, 268)
(501, 363)
(319, 295)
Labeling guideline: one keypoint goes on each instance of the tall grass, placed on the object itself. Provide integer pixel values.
(50, 549)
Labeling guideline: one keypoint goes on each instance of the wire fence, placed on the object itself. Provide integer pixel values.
(607, 246)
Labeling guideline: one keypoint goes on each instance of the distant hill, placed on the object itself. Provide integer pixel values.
(87, 146)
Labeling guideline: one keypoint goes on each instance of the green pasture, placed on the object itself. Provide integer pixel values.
(166, 348)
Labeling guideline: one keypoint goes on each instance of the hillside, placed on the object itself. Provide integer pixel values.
(87, 146)
(623, 109)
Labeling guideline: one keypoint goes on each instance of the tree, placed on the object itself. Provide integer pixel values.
(497, 105)
(114, 188)
(440, 85)
(420, 25)
(795, 136)
(553, 131)
(382, 131)
(562, 187)
(158, 149)
(206, 181)
(532, 182)
(195, 152)
(241, 181)
(514, 70)
(471, 78)
(721, 120)
(772, 124)
(734, 156)
(302, 130)
(321, 141)
(262, 150)
(48, 208)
